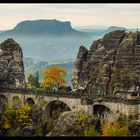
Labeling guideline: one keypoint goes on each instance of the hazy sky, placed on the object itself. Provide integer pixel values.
(126, 15)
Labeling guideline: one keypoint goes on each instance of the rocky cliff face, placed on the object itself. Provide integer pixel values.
(70, 124)
(11, 65)
(111, 65)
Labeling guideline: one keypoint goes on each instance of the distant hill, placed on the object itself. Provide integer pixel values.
(49, 28)
(99, 31)
(47, 40)
(113, 28)
(1, 31)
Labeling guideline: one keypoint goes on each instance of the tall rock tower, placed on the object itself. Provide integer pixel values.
(11, 65)
(111, 65)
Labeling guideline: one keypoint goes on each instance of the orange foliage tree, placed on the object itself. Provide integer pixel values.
(54, 78)
(115, 129)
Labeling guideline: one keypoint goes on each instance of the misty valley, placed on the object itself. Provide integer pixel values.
(60, 80)
(51, 42)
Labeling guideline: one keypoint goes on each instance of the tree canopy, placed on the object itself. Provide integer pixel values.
(33, 81)
(54, 78)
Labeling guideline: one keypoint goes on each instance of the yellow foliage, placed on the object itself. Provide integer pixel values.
(115, 129)
(14, 117)
(6, 124)
(54, 77)
(22, 115)
(6, 118)
(83, 118)
(28, 85)
(90, 131)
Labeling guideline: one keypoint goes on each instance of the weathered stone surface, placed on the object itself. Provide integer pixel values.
(80, 63)
(135, 127)
(67, 125)
(97, 70)
(11, 65)
(28, 131)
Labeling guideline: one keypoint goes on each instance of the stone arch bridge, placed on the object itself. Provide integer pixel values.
(76, 102)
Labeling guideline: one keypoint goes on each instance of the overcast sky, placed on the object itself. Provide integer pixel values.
(126, 15)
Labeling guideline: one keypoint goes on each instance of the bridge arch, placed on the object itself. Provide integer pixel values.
(103, 112)
(3, 102)
(30, 101)
(16, 101)
(55, 108)
(3, 99)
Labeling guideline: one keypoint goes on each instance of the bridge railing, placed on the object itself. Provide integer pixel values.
(67, 94)
(110, 98)
(43, 92)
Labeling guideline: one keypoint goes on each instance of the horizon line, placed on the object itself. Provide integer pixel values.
(73, 26)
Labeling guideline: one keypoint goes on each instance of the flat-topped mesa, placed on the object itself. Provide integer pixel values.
(11, 65)
(43, 25)
(111, 65)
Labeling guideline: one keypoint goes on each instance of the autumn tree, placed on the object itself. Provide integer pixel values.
(15, 119)
(33, 81)
(115, 129)
(54, 78)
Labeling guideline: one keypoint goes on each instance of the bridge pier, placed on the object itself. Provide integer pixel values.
(90, 110)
